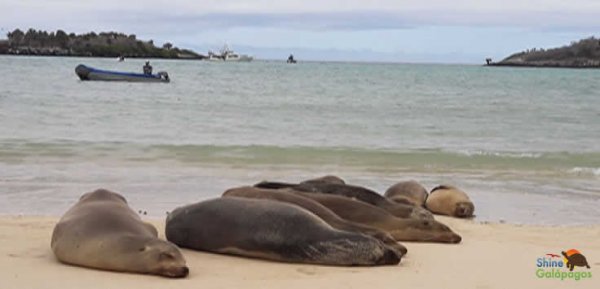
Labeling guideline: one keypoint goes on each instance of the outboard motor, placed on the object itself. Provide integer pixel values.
(164, 75)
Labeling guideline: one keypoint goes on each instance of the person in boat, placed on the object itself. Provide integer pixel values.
(291, 59)
(147, 68)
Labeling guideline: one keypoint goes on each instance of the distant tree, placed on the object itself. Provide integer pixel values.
(88, 44)
(30, 37)
(16, 37)
(62, 39)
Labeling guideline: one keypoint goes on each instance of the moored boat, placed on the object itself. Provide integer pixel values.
(228, 55)
(89, 73)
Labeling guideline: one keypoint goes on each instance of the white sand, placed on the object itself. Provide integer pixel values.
(490, 256)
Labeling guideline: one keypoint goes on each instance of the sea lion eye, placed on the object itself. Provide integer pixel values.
(166, 256)
(142, 249)
(426, 223)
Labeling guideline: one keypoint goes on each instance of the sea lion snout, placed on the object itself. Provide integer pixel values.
(455, 239)
(176, 272)
(173, 265)
(169, 261)
(390, 257)
(464, 209)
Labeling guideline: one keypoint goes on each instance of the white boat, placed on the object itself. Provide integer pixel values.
(228, 55)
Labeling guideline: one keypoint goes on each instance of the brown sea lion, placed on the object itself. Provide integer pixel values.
(448, 200)
(402, 229)
(314, 207)
(354, 192)
(327, 179)
(271, 230)
(410, 192)
(101, 231)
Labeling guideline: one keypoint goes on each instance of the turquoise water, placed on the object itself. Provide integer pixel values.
(517, 140)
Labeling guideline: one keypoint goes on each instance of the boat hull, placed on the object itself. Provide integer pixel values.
(89, 73)
(242, 58)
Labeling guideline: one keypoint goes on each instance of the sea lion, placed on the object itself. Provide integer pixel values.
(101, 231)
(271, 230)
(402, 229)
(408, 192)
(327, 179)
(448, 200)
(314, 207)
(354, 192)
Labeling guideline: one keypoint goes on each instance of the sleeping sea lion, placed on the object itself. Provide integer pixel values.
(314, 207)
(410, 192)
(354, 192)
(101, 231)
(271, 230)
(402, 229)
(448, 200)
(327, 179)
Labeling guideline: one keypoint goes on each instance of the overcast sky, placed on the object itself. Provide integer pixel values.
(387, 30)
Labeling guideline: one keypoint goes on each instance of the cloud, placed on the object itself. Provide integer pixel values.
(300, 21)
(395, 28)
(304, 14)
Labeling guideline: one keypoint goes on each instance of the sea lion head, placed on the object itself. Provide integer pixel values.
(401, 200)
(421, 213)
(411, 192)
(162, 258)
(358, 250)
(426, 231)
(376, 252)
(388, 240)
(329, 179)
(464, 209)
(102, 194)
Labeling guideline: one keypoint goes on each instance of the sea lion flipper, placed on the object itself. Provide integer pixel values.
(151, 228)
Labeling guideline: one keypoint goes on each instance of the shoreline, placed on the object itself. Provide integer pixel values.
(499, 197)
(470, 221)
(101, 57)
(529, 65)
(490, 256)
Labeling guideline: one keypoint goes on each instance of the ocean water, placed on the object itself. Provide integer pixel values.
(523, 143)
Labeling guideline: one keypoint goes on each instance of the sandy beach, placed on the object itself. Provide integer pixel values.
(491, 256)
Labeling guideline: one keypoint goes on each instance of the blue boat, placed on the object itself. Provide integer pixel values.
(89, 73)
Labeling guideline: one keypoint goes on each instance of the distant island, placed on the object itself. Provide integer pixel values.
(103, 44)
(582, 54)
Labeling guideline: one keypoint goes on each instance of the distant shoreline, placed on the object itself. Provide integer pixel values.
(103, 44)
(95, 56)
(57, 52)
(530, 65)
(584, 53)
